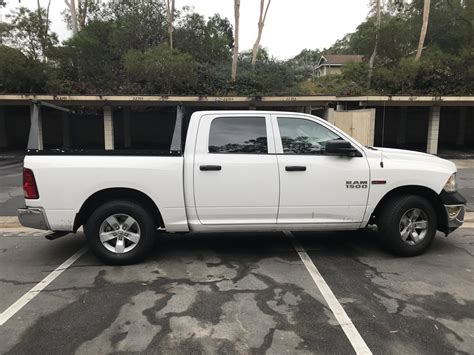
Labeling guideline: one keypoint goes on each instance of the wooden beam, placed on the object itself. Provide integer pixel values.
(163, 100)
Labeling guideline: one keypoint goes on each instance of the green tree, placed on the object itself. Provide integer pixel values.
(78, 12)
(122, 47)
(18, 73)
(161, 70)
(207, 41)
(91, 61)
(29, 32)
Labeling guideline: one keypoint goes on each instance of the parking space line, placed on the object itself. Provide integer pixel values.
(340, 314)
(27, 297)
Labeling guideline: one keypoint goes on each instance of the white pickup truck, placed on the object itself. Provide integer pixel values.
(241, 171)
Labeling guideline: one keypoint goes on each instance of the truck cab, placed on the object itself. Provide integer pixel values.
(247, 171)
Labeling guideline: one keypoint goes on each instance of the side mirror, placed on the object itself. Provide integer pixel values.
(342, 148)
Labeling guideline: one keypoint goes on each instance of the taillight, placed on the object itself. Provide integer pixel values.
(29, 185)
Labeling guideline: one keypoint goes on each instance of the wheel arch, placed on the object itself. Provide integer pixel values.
(417, 190)
(102, 196)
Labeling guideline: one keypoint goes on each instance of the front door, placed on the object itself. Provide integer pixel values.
(315, 187)
(235, 176)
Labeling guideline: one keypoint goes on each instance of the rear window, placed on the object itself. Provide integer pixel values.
(247, 135)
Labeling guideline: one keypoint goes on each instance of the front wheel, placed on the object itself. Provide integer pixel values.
(407, 225)
(120, 232)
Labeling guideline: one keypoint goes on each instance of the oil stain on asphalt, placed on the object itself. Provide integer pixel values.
(235, 295)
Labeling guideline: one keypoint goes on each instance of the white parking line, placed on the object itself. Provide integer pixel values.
(341, 316)
(27, 297)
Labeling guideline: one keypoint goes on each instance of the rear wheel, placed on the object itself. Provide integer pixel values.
(407, 225)
(120, 232)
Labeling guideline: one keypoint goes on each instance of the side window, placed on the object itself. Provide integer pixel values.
(246, 135)
(301, 136)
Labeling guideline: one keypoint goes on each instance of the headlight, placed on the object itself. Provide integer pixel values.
(451, 185)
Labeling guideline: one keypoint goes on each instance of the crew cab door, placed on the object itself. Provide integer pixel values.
(316, 187)
(235, 170)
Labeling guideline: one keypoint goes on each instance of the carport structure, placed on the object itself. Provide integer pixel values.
(425, 123)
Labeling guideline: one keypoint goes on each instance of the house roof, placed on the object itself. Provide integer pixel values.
(340, 59)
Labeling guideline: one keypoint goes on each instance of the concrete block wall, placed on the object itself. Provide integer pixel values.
(108, 128)
(433, 130)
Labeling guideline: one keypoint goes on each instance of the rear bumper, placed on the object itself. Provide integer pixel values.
(33, 217)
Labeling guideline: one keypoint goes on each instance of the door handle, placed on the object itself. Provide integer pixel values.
(295, 168)
(210, 167)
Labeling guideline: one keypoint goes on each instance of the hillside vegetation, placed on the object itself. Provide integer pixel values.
(124, 48)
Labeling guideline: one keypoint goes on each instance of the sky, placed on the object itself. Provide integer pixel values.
(291, 25)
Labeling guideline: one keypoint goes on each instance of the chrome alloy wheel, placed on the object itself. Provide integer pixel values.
(413, 226)
(119, 233)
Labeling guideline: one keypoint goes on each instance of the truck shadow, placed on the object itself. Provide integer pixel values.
(364, 243)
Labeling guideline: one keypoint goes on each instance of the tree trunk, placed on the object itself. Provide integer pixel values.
(44, 29)
(261, 23)
(374, 53)
(235, 55)
(47, 17)
(82, 13)
(170, 18)
(71, 4)
(424, 28)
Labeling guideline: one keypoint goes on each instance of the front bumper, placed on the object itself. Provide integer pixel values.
(455, 207)
(455, 215)
(33, 217)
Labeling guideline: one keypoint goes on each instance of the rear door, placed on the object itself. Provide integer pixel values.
(235, 170)
(316, 187)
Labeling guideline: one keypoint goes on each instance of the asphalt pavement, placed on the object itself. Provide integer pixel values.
(239, 293)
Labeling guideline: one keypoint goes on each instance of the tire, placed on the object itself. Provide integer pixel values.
(402, 231)
(113, 240)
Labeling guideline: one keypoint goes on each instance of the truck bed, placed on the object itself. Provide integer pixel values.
(77, 177)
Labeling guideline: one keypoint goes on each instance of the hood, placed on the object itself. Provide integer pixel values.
(418, 157)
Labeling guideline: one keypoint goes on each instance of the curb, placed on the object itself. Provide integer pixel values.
(12, 221)
(9, 222)
(469, 217)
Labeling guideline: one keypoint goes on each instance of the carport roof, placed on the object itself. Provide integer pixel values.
(164, 100)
